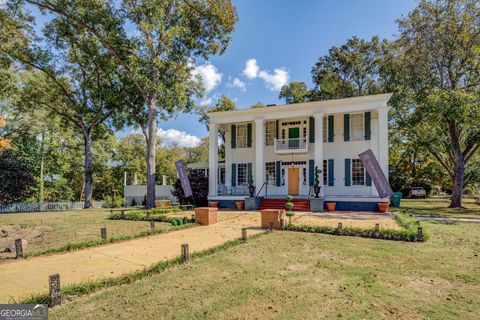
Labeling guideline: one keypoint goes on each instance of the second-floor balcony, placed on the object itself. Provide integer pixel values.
(294, 145)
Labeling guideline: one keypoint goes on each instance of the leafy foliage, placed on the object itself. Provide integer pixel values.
(16, 180)
(199, 185)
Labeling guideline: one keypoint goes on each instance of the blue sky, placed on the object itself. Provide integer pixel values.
(288, 36)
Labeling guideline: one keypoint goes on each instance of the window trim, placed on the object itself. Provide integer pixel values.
(274, 181)
(273, 134)
(362, 136)
(351, 173)
(238, 173)
(237, 139)
(325, 129)
(325, 172)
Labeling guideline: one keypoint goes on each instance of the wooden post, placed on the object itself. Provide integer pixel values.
(185, 220)
(270, 225)
(185, 253)
(419, 234)
(152, 224)
(282, 224)
(54, 285)
(377, 227)
(339, 228)
(103, 233)
(193, 218)
(19, 248)
(244, 234)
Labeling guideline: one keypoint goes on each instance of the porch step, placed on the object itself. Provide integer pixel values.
(300, 204)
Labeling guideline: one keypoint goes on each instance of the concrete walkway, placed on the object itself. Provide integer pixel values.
(24, 278)
(432, 218)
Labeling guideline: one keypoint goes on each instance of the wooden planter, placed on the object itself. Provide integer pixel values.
(206, 215)
(213, 204)
(330, 206)
(383, 207)
(240, 205)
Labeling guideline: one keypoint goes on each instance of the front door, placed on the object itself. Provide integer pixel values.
(293, 184)
(293, 135)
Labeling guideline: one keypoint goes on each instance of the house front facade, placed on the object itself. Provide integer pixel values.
(280, 146)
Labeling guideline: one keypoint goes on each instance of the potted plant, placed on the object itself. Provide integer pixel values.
(330, 206)
(213, 204)
(316, 183)
(383, 207)
(239, 205)
(251, 187)
(289, 205)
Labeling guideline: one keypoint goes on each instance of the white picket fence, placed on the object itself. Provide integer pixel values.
(46, 206)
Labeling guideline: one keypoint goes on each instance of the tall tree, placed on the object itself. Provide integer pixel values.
(164, 37)
(224, 103)
(295, 92)
(353, 69)
(75, 68)
(434, 67)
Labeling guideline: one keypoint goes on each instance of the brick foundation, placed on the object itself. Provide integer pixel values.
(206, 216)
(272, 215)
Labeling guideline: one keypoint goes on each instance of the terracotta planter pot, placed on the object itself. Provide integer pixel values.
(331, 206)
(213, 204)
(240, 205)
(383, 207)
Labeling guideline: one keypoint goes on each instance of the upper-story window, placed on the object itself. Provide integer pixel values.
(325, 129)
(358, 173)
(356, 127)
(241, 138)
(270, 132)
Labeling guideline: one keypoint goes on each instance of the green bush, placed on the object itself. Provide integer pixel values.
(113, 202)
(146, 215)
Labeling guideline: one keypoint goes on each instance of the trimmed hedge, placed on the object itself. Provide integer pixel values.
(147, 215)
(408, 234)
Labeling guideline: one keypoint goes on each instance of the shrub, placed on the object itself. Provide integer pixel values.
(199, 184)
(113, 202)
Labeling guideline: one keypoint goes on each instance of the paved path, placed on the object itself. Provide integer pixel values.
(21, 279)
(429, 218)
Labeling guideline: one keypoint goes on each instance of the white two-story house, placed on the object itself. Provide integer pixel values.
(279, 146)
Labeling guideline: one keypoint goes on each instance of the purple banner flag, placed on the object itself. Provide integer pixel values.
(373, 168)
(182, 175)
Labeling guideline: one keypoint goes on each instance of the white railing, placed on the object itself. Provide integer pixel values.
(46, 206)
(232, 191)
(291, 145)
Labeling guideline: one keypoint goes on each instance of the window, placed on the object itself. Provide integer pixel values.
(358, 173)
(283, 133)
(304, 132)
(356, 126)
(270, 132)
(304, 175)
(325, 129)
(270, 172)
(241, 136)
(283, 177)
(242, 172)
(325, 173)
(221, 175)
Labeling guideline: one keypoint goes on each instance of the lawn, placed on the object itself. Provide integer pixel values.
(438, 207)
(288, 275)
(54, 229)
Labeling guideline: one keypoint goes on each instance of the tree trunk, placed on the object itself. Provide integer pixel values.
(88, 168)
(459, 173)
(151, 148)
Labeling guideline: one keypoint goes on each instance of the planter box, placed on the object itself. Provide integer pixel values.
(252, 203)
(317, 204)
(272, 215)
(206, 216)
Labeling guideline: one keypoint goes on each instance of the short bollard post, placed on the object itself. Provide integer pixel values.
(19, 248)
(419, 234)
(339, 228)
(122, 214)
(244, 234)
(54, 285)
(282, 224)
(103, 233)
(185, 253)
(185, 220)
(193, 218)
(152, 224)
(270, 225)
(377, 227)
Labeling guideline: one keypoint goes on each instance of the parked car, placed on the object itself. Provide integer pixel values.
(417, 192)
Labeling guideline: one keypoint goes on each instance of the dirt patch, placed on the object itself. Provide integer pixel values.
(8, 234)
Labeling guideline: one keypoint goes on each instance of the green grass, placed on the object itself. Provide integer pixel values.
(48, 231)
(289, 275)
(438, 207)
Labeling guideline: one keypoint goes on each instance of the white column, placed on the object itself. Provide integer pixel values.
(318, 155)
(213, 160)
(228, 158)
(383, 139)
(259, 159)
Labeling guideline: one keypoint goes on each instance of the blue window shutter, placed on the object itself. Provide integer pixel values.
(368, 179)
(331, 173)
(367, 118)
(330, 128)
(249, 135)
(312, 129)
(249, 165)
(277, 127)
(346, 127)
(234, 136)
(234, 174)
(311, 172)
(347, 172)
(278, 173)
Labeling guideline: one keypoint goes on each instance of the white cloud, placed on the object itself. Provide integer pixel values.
(181, 138)
(206, 102)
(209, 75)
(273, 81)
(237, 83)
(251, 69)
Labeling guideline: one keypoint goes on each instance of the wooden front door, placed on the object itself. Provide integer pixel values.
(293, 184)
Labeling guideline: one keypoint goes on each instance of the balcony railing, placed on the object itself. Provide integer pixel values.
(296, 145)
